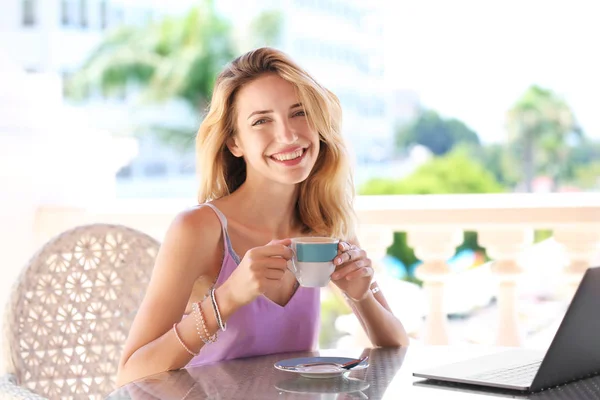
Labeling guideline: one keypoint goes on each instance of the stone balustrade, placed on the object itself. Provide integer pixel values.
(435, 225)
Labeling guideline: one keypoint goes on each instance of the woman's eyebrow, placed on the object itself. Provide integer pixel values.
(261, 112)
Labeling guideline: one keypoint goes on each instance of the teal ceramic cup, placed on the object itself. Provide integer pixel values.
(312, 262)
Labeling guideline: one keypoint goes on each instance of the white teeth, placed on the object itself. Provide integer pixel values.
(288, 156)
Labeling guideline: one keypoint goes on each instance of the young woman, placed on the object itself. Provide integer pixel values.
(273, 166)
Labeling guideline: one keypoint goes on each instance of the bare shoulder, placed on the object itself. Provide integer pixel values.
(194, 232)
(198, 220)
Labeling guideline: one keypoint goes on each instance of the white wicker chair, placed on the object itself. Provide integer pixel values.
(70, 312)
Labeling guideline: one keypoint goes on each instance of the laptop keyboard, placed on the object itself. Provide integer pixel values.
(521, 375)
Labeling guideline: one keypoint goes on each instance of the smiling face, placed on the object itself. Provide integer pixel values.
(272, 132)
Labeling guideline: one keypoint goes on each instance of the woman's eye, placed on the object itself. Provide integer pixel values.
(259, 122)
(300, 114)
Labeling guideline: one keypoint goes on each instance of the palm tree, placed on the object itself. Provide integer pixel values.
(175, 58)
(541, 124)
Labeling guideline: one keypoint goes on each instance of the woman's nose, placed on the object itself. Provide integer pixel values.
(286, 133)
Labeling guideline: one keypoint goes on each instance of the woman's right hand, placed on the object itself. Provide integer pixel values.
(261, 269)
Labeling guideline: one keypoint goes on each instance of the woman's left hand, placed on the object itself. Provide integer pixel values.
(353, 271)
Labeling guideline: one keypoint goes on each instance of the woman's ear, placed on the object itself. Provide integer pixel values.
(233, 147)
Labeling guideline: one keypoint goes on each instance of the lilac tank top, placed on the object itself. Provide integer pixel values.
(262, 326)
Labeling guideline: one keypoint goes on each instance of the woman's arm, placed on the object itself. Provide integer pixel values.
(191, 248)
(353, 276)
(378, 321)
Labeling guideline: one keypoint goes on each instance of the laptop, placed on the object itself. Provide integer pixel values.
(582, 389)
(573, 354)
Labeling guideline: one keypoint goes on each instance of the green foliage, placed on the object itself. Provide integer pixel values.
(401, 250)
(541, 125)
(588, 176)
(540, 235)
(580, 168)
(577, 169)
(499, 160)
(586, 152)
(438, 134)
(455, 172)
(176, 58)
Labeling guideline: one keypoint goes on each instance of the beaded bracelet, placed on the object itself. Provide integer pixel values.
(197, 308)
(222, 325)
(181, 341)
(197, 317)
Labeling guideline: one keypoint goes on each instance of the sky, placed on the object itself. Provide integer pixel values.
(472, 59)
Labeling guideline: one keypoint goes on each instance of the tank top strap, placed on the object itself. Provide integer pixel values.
(228, 248)
(223, 221)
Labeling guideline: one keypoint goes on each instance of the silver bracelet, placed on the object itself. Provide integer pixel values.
(222, 325)
(371, 288)
(376, 288)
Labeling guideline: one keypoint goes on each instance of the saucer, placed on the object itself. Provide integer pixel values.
(301, 366)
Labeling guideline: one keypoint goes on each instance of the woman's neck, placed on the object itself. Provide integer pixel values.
(270, 208)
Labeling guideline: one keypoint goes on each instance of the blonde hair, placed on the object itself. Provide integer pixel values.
(325, 198)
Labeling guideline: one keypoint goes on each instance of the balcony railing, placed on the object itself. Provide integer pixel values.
(434, 224)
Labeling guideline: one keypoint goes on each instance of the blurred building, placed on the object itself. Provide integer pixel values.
(52, 38)
(340, 42)
(57, 35)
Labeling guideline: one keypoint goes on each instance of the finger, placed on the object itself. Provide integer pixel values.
(274, 274)
(285, 242)
(277, 263)
(350, 255)
(360, 273)
(341, 272)
(274, 250)
(343, 246)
